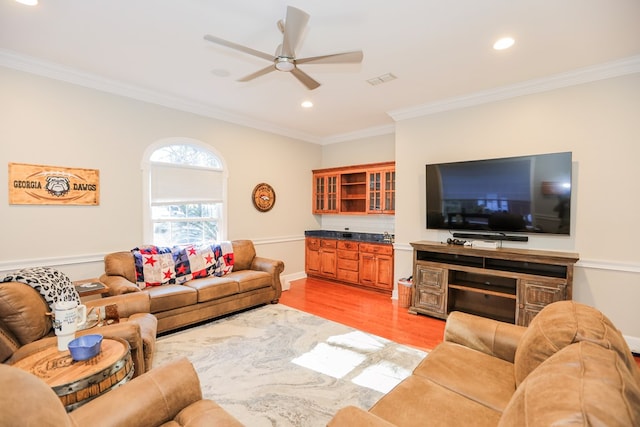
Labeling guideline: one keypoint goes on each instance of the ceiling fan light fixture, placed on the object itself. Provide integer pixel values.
(306, 104)
(284, 64)
(285, 59)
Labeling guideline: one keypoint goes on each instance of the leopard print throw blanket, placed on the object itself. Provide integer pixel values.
(52, 284)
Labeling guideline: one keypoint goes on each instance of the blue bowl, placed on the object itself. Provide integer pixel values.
(85, 347)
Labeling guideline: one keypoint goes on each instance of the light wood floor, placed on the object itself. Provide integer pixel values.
(367, 311)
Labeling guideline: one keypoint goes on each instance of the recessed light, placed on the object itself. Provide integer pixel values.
(28, 2)
(306, 104)
(503, 43)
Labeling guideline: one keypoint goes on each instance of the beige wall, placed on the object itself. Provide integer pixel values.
(50, 122)
(374, 149)
(45, 121)
(599, 123)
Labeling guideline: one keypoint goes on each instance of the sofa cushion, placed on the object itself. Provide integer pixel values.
(168, 297)
(210, 288)
(482, 378)
(562, 323)
(582, 384)
(244, 252)
(249, 280)
(24, 312)
(418, 401)
(120, 264)
(205, 413)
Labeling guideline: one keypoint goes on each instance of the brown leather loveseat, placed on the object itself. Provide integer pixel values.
(253, 281)
(169, 395)
(571, 366)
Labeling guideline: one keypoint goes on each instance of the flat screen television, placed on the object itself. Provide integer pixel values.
(526, 194)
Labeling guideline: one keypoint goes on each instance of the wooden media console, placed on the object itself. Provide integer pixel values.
(511, 285)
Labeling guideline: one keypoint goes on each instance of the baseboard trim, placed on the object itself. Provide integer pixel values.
(634, 344)
(288, 278)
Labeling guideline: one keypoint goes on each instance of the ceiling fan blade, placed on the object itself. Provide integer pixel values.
(336, 58)
(239, 47)
(294, 25)
(305, 79)
(258, 73)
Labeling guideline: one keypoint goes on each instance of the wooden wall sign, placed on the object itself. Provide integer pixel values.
(53, 185)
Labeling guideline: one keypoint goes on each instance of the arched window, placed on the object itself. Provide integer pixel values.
(185, 188)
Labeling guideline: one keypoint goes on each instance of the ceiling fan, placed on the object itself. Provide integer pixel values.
(285, 56)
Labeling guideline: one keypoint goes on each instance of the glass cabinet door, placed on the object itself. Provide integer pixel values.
(382, 191)
(325, 194)
(375, 191)
(319, 190)
(332, 193)
(390, 191)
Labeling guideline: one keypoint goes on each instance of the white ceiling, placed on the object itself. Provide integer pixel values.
(440, 50)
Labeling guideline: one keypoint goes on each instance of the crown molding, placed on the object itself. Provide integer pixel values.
(608, 70)
(363, 133)
(51, 70)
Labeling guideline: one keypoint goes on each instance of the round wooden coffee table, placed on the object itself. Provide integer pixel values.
(77, 382)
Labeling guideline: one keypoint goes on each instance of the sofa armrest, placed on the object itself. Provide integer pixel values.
(271, 266)
(118, 285)
(31, 348)
(151, 399)
(498, 339)
(128, 304)
(351, 416)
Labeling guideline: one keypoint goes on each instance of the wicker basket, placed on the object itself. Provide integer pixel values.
(405, 288)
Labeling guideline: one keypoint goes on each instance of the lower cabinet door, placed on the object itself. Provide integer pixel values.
(313, 261)
(367, 269)
(384, 272)
(376, 271)
(328, 262)
(535, 295)
(430, 300)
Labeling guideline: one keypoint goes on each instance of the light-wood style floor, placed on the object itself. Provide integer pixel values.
(367, 311)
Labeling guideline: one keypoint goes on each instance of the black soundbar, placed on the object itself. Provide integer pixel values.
(491, 237)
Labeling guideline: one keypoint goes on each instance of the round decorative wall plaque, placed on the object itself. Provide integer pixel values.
(263, 197)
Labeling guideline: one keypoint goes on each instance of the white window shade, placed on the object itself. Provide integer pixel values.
(177, 184)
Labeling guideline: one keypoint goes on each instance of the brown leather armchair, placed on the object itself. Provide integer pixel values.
(167, 395)
(26, 326)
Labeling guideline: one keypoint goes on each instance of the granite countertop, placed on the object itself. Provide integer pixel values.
(350, 235)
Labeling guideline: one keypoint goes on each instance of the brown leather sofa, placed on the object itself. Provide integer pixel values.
(169, 395)
(254, 281)
(571, 366)
(26, 325)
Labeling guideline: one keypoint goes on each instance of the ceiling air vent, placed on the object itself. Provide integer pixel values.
(381, 79)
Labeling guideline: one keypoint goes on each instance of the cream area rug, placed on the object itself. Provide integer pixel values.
(278, 366)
